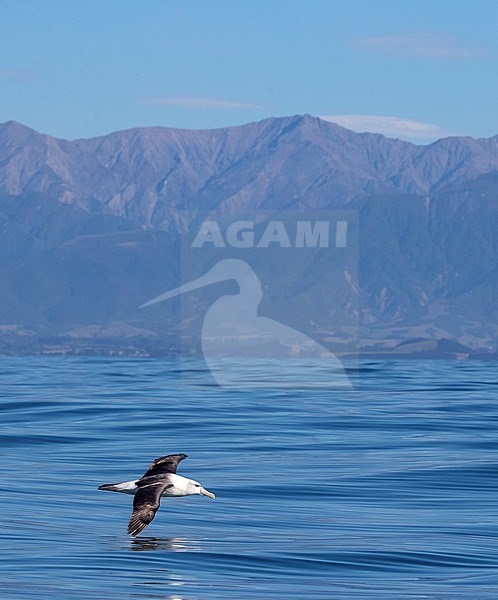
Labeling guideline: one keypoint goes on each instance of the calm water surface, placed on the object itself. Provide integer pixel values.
(390, 491)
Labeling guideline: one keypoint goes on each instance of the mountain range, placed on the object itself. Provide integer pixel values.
(90, 230)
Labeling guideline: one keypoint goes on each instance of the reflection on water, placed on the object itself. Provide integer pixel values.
(166, 544)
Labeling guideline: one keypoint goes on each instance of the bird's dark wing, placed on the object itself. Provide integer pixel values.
(145, 505)
(165, 464)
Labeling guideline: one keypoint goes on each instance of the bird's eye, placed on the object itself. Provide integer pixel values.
(197, 485)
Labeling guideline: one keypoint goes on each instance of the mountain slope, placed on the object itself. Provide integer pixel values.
(89, 226)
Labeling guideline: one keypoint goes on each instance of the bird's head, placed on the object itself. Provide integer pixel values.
(194, 487)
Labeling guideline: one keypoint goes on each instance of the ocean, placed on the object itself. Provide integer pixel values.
(388, 491)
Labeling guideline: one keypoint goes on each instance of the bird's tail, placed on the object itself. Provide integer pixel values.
(126, 487)
(110, 487)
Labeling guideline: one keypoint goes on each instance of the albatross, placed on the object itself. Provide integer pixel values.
(160, 480)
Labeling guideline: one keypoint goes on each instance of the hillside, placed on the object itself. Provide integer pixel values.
(90, 230)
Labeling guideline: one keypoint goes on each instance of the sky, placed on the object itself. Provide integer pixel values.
(419, 69)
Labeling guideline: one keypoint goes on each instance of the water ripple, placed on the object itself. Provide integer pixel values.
(320, 494)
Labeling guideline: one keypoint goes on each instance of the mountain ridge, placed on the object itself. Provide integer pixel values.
(154, 157)
(106, 205)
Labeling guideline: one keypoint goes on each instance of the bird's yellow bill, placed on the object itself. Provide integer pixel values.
(206, 493)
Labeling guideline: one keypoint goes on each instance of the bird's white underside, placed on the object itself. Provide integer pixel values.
(181, 486)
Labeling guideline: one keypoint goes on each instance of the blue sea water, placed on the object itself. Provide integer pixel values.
(389, 491)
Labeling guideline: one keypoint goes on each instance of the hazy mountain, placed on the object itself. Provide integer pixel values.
(89, 226)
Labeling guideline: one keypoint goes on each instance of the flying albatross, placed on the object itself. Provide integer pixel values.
(159, 480)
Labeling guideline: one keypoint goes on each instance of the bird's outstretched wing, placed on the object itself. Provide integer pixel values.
(145, 505)
(165, 464)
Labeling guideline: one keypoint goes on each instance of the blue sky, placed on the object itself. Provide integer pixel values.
(413, 69)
